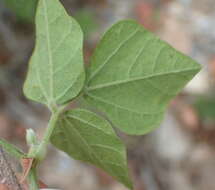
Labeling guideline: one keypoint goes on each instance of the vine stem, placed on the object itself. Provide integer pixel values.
(38, 152)
(32, 179)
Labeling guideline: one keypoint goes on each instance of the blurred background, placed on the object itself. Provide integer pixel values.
(180, 155)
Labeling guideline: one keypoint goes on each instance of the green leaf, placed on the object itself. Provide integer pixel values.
(24, 9)
(85, 136)
(11, 149)
(133, 75)
(56, 72)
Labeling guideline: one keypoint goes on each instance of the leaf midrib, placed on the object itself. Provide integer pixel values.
(112, 54)
(49, 53)
(94, 126)
(121, 107)
(88, 123)
(100, 162)
(105, 85)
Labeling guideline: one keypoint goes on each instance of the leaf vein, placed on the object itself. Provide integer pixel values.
(91, 88)
(121, 107)
(49, 50)
(91, 124)
(112, 54)
(137, 57)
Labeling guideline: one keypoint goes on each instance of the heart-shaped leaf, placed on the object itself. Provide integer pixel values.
(56, 72)
(85, 136)
(133, 75)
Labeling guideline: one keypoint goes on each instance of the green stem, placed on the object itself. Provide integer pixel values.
(32, 179)
(40, 151)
